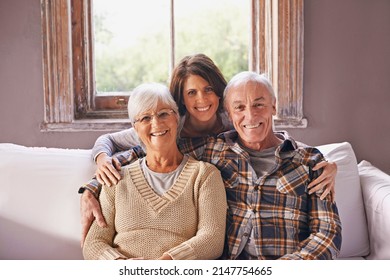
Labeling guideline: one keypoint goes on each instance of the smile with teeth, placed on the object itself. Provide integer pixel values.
(160, 133)
(203, 109)
(251, 126)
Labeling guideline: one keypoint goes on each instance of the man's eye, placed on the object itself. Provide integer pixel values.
(259, 105)
(239, 108)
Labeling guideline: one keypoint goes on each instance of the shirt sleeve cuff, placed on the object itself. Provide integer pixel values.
(93, 186)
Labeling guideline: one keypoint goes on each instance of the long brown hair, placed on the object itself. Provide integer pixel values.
(200, 65)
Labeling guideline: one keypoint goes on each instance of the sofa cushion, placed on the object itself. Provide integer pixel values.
(39, 204)
(349, 200)
(376, 192)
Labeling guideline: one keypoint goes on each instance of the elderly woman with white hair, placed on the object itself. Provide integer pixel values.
(168, 205)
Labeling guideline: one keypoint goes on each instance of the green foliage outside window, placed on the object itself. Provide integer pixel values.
(222, 35)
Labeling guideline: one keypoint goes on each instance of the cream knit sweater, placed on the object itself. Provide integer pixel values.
(187, 222)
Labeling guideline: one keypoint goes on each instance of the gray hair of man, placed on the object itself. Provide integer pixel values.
(245, 77)
(146, 97)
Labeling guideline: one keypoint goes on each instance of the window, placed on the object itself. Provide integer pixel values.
(135, 44)
(71, 102)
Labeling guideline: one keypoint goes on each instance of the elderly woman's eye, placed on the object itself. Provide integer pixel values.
(145, 119)
(163, 115)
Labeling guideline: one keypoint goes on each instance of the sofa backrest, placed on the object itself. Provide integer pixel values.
(39, 204)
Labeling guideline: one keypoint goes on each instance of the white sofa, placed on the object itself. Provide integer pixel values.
(39, 203)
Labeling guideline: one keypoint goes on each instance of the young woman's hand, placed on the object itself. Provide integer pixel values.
(107, 169)
(326, 181)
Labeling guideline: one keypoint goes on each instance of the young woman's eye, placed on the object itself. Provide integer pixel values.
(209, 89)
(191, 92)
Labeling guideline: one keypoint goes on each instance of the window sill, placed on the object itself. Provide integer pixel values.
(290, 123)
(87, 125)
(121, 124)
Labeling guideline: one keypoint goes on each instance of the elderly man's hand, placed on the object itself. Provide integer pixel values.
(107, 170)
(89, 210)
(326, 181)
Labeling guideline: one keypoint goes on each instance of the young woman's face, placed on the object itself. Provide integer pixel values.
(200, 99)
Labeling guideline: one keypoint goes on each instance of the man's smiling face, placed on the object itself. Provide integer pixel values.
(251, 109)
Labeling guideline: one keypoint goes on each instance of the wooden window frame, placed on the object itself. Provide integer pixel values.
(70, 103)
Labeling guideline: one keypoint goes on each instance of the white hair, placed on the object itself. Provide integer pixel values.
(245, 77)
(146, 97)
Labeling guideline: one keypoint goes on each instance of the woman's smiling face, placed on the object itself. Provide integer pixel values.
(157, 129)
(200, 99)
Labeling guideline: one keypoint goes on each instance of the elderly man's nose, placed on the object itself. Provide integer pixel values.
(249, 112)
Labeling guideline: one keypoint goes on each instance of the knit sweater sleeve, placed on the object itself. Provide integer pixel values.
(99, 241)
(211, 199)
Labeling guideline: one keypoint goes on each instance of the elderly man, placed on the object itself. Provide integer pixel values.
(271, 213)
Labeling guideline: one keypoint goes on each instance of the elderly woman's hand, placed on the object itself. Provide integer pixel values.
(107, 170)
(326, 180)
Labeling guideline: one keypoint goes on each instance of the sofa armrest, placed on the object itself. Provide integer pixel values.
(376, 194)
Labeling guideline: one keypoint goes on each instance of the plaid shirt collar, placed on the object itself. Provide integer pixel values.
(286, 150)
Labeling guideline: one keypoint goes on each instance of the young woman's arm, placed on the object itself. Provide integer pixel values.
(112, 143)
(326, 180)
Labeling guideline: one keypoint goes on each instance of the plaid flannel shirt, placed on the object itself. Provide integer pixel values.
(288, 223)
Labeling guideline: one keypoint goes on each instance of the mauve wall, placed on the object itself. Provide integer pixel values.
(346, 83)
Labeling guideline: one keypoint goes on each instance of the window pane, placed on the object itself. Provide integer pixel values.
(217, 28)
(131, 43)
